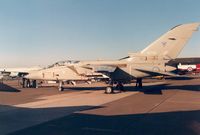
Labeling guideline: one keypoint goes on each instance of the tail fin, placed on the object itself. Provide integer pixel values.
(171, 43)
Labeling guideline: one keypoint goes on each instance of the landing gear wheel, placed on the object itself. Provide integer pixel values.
(60, 88)
(120, 87)
(34, 84)
(109, 90)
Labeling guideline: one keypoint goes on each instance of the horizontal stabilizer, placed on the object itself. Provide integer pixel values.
(157, 73)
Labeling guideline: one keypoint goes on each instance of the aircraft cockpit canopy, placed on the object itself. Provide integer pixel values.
(64, 63)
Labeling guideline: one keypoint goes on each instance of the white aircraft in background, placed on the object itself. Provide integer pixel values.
(152, 61)
(17, 72)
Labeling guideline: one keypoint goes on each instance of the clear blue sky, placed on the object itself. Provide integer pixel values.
(41, 32)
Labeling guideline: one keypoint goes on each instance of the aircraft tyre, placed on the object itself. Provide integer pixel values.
(109, 90)
(34, 84)
(60, 89)
(23, 83)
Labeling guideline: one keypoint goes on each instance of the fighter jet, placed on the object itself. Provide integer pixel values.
(151, 61)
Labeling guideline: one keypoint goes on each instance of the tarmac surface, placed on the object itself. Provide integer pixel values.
(169, 107)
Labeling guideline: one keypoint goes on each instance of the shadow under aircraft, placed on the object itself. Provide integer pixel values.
(7, 88)
(162, 123)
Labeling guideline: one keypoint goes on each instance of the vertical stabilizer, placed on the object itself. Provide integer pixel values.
(171, 43)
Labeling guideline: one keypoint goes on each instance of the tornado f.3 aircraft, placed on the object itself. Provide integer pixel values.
(151, 61)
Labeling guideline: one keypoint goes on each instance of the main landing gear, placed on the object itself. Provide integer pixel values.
(110, 89)
(138, 83)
